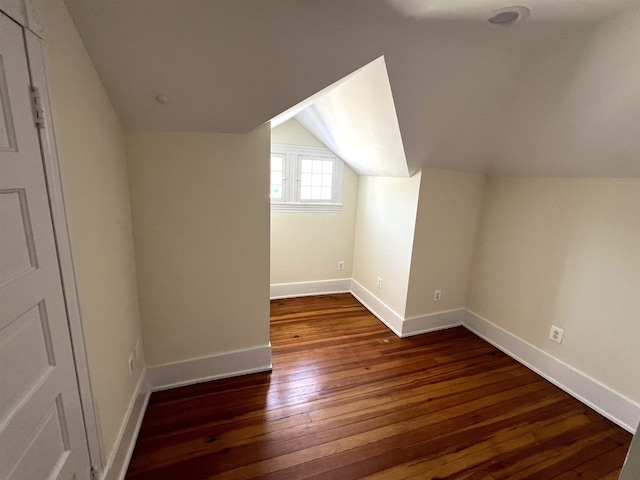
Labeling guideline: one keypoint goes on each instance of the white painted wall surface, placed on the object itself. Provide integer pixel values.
(564, 252)
(200, 206)
(446, 228)
(385, 225)
(307, 246)
(292, 132)
(94, 169)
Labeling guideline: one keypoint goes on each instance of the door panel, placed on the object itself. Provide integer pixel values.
(27, 334)
(7, 132)
(15, 236)
(41, 426)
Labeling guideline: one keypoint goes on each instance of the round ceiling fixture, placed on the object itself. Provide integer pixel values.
(162, 99)
(505, 17)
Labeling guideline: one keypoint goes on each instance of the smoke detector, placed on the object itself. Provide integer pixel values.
(162, 99)
(505, 17)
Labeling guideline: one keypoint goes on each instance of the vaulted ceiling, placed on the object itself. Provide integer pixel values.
(555, 95)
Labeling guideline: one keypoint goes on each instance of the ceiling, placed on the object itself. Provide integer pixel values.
(548, 10)
(356, 118)
(555, 95)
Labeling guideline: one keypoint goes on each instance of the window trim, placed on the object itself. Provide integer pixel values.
(290, 201)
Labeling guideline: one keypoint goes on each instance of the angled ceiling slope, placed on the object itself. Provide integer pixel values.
(552, 96)
(356, 118)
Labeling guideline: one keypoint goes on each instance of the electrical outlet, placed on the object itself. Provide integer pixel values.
(437, 295)
(556, 334)
(340, 265)
(131, 365)
(379, 282)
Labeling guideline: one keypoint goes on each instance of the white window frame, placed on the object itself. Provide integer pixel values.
(291, 202)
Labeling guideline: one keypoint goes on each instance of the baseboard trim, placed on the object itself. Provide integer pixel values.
(306, 289)
(609, 403)
(432, 322)
(381, 311)
(118, 463)
(204, 369)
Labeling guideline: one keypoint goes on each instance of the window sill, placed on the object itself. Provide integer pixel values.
(306, 208)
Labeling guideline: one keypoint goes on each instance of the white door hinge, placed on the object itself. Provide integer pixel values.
(38, 109)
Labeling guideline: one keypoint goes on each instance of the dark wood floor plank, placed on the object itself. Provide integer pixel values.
(347, 399)
(406, 442)
(472, 462)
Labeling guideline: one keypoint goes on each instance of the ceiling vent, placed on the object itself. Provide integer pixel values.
(505, 17)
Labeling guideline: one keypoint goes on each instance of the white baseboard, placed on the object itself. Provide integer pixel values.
(432, 322)
(204, 369)
(609, 403)
(116, 467)
(305, 289)
(410, 326)
(385, 314)
(172, 375)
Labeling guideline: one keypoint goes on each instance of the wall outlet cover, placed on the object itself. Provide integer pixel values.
(556, 334)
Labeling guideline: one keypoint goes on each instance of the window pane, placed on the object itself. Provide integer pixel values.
(309, 175)
(276, 191)
(277, 166)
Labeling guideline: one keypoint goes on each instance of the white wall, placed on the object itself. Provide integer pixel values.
(292, 132)
(564, 252)
(94, 172)
(201, 221)
(446, 227)
(307, 246)
(385, 225)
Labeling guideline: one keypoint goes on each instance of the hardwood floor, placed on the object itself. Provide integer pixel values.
(347, 399)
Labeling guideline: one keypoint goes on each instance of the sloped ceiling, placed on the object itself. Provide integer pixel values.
(356, 118)
(555, 95)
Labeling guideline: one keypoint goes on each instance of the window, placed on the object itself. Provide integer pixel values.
(277, 176)
(305, 179)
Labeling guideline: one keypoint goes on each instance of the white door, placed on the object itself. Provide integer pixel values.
(631, 467)
(41, 426)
